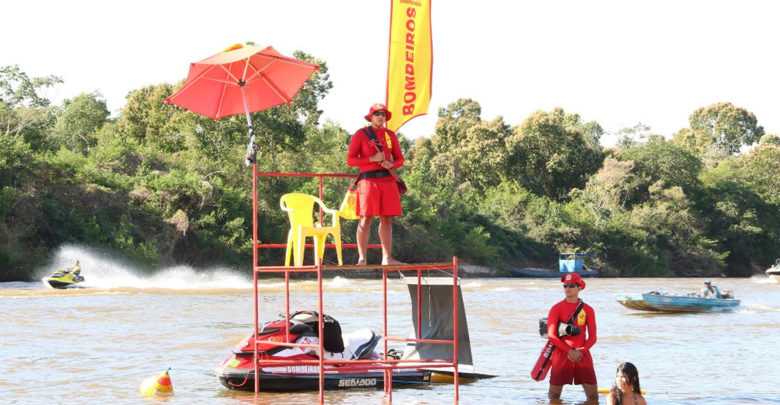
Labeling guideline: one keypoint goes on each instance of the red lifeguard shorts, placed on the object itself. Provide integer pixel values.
(378, 196)
(568, 372)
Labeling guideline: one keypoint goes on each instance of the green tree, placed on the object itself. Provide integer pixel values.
(760, 170)
(756, 170)
(769, 139)
(591, 130)
(661, 160)
(745, 226)
(451, 159)
(15, 156)
(676, 232)
(149, 120)
(82, 117)
(632, 136)
(454, 122)
(482, 153)
(23, 111)
(722, 125)
(608, 191)
(550, 155)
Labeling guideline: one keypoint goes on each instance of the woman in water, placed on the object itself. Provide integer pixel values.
(626, 390)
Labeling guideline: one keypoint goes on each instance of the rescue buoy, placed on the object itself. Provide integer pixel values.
(158, 385)
(543, 364)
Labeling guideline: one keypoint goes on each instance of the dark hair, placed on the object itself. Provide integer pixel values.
(630, 371)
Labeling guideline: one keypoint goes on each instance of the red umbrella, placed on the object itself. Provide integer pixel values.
(242, 79)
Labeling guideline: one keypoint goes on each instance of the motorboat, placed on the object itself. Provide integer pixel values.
(668, 302)
(774, 272)
(237, 370)
(64, 279)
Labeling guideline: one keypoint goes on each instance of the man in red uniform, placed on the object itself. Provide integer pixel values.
(377, 193)
(571, 360)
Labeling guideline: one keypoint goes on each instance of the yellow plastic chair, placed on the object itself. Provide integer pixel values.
(300, 209)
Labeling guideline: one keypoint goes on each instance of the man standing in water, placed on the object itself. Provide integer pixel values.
(571, 359)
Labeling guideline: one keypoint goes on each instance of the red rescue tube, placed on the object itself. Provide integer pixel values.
(542, 366)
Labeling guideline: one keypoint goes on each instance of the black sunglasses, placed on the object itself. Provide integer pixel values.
(569, 285)
(380, 113)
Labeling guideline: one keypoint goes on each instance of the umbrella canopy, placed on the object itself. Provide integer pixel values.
(242, 79)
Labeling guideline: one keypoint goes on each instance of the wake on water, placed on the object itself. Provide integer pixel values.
(104, 271)
(761, 279)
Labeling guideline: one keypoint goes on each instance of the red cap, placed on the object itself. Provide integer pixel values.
(573, 278)
(375, 108)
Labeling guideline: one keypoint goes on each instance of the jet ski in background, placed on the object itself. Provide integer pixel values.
(65, 278)
(774, 272)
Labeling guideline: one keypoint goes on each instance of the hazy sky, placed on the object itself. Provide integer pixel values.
(616, 62)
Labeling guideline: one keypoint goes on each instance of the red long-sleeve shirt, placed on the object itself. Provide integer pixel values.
(361, 149)
(586, 321)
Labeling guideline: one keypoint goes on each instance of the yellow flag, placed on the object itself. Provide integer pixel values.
(410, 61)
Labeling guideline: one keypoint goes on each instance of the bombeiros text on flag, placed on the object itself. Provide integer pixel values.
(410, 61)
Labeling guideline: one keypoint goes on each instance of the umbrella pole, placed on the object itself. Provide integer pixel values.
(251, 151)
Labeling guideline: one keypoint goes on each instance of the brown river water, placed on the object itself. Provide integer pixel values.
(97, 344)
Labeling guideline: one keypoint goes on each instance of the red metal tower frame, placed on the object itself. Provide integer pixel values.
(388, 365)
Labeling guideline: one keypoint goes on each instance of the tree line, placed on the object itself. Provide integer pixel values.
(162, 186)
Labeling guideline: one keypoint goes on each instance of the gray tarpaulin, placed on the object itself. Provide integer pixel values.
(436, 320)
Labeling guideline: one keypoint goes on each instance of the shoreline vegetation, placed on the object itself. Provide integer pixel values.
(162, 186)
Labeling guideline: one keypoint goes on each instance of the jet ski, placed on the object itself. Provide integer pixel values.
(284, 368)
(64, 279)
(301, 372)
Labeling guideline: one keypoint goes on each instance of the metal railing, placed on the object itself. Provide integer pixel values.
(386, 364)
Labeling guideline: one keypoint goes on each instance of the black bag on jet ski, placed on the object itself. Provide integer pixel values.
(330, 328)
